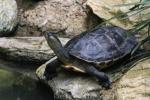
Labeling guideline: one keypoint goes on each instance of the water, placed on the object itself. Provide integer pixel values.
(17, 86)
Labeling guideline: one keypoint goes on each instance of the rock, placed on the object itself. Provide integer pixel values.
(105, 9)
(72, 86)
(135, 84)
(26, 49)
(8, 16)
(68, 86)
(54, 15)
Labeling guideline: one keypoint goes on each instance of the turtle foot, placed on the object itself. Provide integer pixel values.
(49, 76)
(106, 85)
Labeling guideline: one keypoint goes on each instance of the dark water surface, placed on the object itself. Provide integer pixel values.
(19, 86)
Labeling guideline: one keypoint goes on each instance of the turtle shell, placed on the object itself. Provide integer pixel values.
(103, 45)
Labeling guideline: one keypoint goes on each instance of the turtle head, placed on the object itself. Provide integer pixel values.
(57, 47)
(49, 35)
(53, 41)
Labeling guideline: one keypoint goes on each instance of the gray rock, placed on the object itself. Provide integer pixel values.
(54, 15)
(26, 49)
(68, 86)
(8, 16)
(73, 86)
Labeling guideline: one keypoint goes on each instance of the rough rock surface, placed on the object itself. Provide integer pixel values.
(105, 9)
(135, 84)
(8, 16)
(54, 15)
(72, 86)
(78, 86)
(26, 49)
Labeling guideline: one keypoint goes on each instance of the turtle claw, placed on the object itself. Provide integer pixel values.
(106, 82)
(106, 85)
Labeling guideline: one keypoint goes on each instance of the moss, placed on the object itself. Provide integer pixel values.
(5, 78)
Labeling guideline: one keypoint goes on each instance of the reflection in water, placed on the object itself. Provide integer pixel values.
(15, 86)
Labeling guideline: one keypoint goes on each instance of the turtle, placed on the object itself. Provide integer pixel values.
(91, 51)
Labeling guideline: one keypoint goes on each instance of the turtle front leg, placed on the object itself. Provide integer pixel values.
(102, 77)
(51, 68)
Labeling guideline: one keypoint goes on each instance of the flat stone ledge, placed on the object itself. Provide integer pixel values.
(26, 49)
